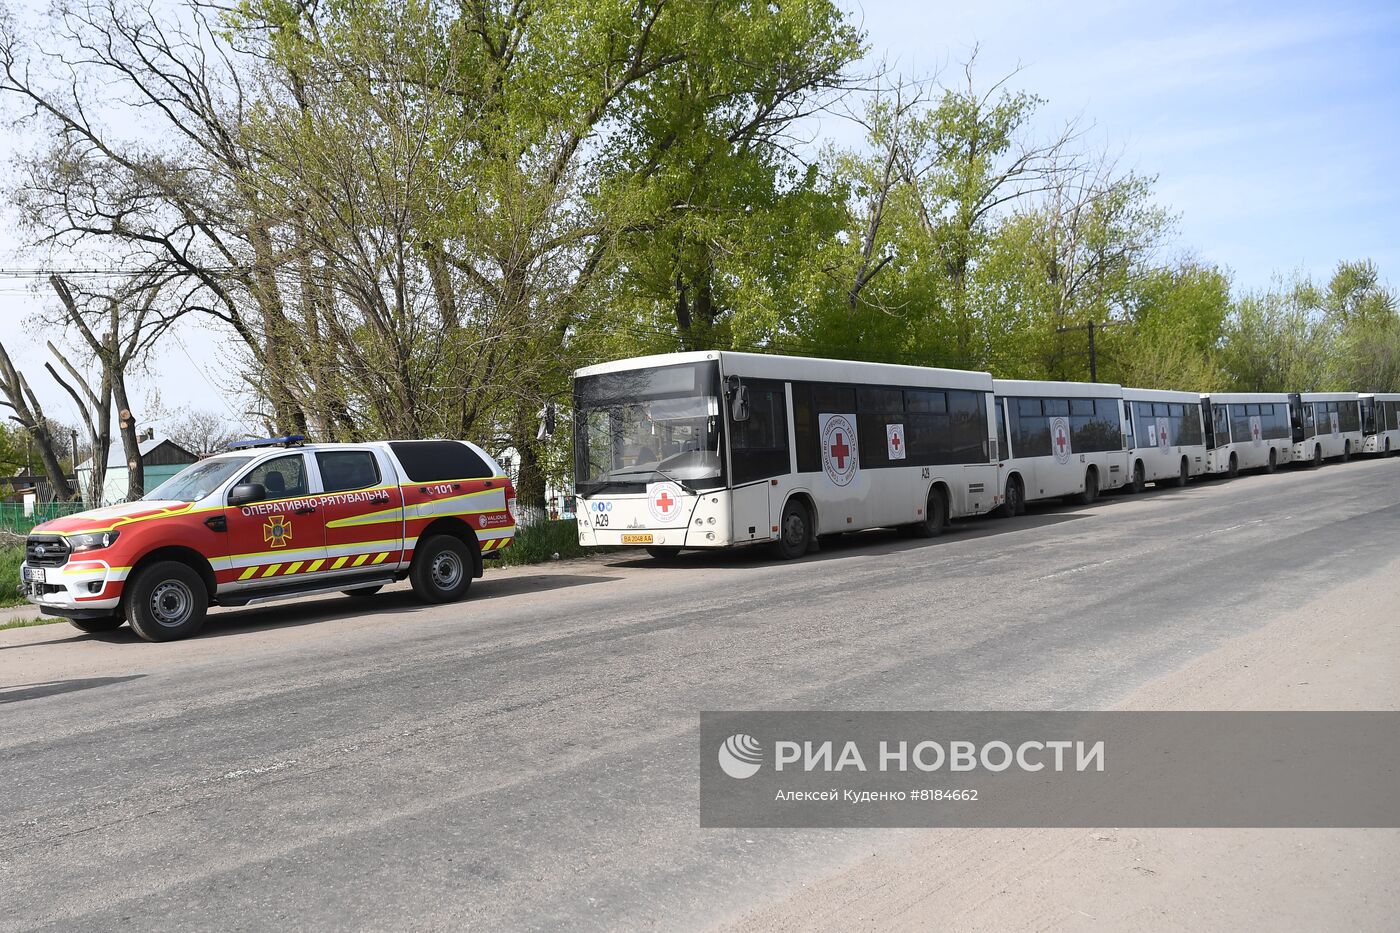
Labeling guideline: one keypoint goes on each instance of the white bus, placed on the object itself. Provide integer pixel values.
(1326, 425)
(1247, 431)
(716, 449)
(1164, 436)
(1380, 422)
(1059, 439)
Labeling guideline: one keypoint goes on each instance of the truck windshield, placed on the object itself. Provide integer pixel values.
(642, 425)
(197, 480)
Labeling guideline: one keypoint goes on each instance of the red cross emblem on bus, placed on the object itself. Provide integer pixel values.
(1060, 440)
(895, 442)
(665, 502)
(840, 450)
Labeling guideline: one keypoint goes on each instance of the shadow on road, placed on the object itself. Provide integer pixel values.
(312, 611)
(21, 692)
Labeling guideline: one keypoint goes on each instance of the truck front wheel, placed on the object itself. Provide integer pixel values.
(442, 569)
(166, 602)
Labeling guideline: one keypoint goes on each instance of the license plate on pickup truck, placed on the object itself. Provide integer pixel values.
(35, 575)
(636, 539)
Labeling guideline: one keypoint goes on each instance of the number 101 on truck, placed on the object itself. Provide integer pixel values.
(718, 449)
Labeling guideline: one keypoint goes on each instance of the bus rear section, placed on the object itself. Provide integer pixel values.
(1328, 426)
(1247, 431)
(1380, 422)
(1059, 439)
(720, 449)
(1164, 435)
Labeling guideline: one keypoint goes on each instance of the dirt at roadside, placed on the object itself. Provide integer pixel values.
(1340, 652)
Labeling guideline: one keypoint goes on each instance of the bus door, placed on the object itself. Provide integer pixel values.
(1129, 435)
(1368, 417)
(1208, 423)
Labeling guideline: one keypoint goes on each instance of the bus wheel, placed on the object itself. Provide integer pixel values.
(1091, 487)
(1346, 451)
(795, 531)
(1184, 475)
(1317, 455)
(1273, 461)
(1234, 466)
(935, 515)
(1015, 498)
(1387, 447)
(1139, 478)
(663, 553)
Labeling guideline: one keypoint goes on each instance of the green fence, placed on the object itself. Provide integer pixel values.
(12, 517)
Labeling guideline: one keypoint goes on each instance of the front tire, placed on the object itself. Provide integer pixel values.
(1317, 456)
(794, 532)
(442, 569)
(167, 601)
(1273, 461)
(1234, 466)
(1346, 452)
(1139, 478)
(92, 626)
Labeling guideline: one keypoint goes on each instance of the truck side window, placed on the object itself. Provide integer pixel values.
(282, 477)
(434, 461)
(343, 470)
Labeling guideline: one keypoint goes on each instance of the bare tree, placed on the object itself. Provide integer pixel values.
(29, 414)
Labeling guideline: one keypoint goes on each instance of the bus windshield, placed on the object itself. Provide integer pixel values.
(640, 426)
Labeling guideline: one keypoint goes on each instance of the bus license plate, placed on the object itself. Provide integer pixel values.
(636, 539)
(34, 575)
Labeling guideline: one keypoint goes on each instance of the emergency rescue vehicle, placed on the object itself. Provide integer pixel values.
(263, 523)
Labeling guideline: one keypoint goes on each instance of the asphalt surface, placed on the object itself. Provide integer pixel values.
(527, 759)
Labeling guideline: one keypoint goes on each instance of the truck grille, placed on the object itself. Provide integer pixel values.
(46, 551)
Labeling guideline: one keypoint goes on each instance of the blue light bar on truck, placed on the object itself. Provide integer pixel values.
(287, 440)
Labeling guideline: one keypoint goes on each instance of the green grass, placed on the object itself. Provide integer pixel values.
(538, 544)
(10, 559)
(26, 623)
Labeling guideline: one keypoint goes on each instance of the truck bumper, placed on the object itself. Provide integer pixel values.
(77, 590)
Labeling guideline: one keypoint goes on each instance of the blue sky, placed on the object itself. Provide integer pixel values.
(1271, 128)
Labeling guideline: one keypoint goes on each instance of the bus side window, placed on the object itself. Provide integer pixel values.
(759, 445)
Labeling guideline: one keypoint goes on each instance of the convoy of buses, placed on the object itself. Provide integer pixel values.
(718, 449)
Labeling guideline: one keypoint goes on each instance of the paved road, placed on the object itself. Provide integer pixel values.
(527, 759)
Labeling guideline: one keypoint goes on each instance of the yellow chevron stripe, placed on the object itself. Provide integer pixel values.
(248, 573)
(315, 565)
(340, 562)
(379, 558)
(271, 570)
(295, 567)
(360, 560)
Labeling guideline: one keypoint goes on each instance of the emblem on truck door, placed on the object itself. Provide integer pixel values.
(277, 531)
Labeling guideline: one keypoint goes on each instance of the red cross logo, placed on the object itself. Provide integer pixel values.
(895, 442)
(1256, 430)
(665, 501)
(840, 450)
(1060, 440)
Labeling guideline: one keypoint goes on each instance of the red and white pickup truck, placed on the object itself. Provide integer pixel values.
(255, 525)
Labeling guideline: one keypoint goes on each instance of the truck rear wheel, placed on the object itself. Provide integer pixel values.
(167, 601)
(442, 569)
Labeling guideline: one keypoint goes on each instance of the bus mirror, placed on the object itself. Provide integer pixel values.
(548, 422)
(739, 404)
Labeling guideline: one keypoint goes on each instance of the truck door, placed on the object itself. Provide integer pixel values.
(362, 511)
(282, 536)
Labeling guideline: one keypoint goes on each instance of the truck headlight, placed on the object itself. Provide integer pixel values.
(92, 541)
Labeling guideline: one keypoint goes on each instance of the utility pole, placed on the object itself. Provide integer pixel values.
(1093, 350)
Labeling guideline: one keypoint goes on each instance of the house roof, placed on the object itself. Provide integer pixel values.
(116, 456)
